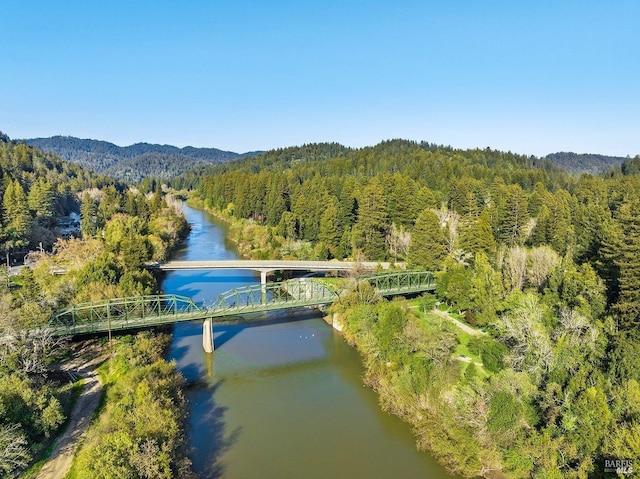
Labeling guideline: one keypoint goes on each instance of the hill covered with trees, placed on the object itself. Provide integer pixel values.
(579, 163)
(546, 263)
(132, 163)
(37, 188)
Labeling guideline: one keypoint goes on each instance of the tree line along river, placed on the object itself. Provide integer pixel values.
(282, 396)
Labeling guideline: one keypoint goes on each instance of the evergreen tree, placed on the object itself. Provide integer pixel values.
(135, 251)
(425, 198)
(477, 237)
(400, 196)
(592, 221)
(562, 236)
(287, 226)
(347, 206)
(277, 200)
(88, 216)
(40, 199)
(372, 225)
(110, 204)
(539, 197)
(628, 262)
(486, 291)
(542, 231)
(428, 242)
(17, 220)
(329, 234)
(514, 217)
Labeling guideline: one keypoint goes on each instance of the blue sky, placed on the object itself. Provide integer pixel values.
(532, 77)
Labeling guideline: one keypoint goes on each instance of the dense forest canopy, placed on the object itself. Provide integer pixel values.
(135, 162)
(584, 163)
(547, 263)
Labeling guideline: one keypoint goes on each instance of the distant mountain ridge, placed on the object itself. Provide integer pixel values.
(134, 162)
(578, 163)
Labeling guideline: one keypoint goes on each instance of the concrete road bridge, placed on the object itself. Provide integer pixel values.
(145, 311)
(265, 267)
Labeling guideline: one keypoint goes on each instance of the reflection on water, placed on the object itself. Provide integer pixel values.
(282, 395)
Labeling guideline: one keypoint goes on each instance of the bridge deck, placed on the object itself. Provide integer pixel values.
(271, 265)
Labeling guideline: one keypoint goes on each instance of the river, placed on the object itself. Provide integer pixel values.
(281, 397)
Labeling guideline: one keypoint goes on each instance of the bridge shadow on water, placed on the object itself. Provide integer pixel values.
(263, 351)
(234, 325)
(208, 430)
(225, 332)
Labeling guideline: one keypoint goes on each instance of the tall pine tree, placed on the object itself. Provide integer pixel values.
(428, 242)
(628, 262)
(478, 236)
(371, 228)
(514, 216)
(17, 219)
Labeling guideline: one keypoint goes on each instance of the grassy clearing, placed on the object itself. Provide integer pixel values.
(435, 325)
(462, 351)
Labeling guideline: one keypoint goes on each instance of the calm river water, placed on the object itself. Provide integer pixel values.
(281, 397)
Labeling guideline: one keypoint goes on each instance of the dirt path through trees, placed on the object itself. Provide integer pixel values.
(81, 415)
(464, 327)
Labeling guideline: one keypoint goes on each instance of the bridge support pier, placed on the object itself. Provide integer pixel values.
(263, 283)
(207, 335)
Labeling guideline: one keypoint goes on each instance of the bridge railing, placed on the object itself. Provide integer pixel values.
(121, 313)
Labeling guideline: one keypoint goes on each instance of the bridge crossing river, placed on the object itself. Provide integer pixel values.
(145, 311)
(264, 267)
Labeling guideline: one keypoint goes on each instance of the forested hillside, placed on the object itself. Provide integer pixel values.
(36, 189)
(547, 264)
(132, 163)
(584, 163)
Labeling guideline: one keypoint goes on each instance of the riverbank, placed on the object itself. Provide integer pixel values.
(140, 430)
(256, 241)
(409, 362)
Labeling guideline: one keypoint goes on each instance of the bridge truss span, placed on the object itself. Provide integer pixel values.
(125, 313)
(287, 294)
(399, 282)
(144, 311)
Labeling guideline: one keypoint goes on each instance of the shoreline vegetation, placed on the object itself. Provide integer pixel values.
(256, 241)
(139, 430)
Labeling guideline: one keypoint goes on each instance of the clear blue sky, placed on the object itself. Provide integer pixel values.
(532, 77)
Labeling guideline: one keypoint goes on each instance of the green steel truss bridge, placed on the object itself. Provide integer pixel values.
(145, 311)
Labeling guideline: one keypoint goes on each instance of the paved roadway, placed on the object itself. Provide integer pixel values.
(272, 265)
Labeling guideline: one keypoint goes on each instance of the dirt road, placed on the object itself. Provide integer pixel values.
(65, 447)
(466, 328)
